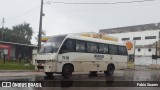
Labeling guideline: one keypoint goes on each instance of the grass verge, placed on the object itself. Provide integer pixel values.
(12, 65)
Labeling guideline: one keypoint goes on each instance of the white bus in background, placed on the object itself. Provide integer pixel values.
(65, 54)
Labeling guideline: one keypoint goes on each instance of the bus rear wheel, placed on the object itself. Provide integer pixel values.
(110, 70)
(49, 74)
(67, 71)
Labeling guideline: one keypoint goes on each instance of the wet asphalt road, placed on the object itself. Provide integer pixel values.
(120, 76)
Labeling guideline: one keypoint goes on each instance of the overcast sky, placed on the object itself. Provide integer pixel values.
(67, 18)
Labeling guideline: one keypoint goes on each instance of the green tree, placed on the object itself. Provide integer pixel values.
(21, 33)
(5, 34)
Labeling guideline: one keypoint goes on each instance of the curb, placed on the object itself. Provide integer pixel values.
(19, 71)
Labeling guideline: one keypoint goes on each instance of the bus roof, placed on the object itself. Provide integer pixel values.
(86, 34)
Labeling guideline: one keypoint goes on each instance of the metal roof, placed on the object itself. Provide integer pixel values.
(135, 28)
(19, 44)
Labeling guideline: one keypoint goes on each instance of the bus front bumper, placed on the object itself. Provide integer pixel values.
(48, 68)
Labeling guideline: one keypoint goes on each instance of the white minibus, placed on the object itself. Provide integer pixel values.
(65, 54)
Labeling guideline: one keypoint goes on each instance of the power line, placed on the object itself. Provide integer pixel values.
(137, 1)
(119, 6)
(23, 14)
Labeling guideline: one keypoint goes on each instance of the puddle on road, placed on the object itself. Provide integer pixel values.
(119, 79)
(118, 76)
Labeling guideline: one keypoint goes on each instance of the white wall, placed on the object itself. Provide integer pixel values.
(145, 52)
(141, 34)
(34, 54)
(146, 61)
(12, 53)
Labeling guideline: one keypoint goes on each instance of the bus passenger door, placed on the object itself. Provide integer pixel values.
(66, 54)
(114, 57)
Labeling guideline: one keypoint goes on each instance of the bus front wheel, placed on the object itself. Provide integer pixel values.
(67, 71)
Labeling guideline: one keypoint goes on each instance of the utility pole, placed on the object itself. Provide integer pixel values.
(156, 47)
(3, 21)
(2, 50)
(40, 26)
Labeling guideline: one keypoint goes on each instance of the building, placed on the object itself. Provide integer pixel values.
(144, 35)
(15, 51)
(145, 50)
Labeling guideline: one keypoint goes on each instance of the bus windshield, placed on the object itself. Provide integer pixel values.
(52, 45)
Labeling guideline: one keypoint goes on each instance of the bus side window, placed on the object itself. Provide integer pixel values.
(92, 47)
(122, 50)
(103, 48)
(113, 49)
(68, 46)
(80, 46)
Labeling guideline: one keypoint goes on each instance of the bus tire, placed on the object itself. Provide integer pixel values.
(67, 71)
(93, 72)
(110, 70)
(49, 74)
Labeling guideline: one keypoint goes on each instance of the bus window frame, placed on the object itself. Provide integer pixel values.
(97, 45)
(97, 51)
(104, 45)
(110, 49)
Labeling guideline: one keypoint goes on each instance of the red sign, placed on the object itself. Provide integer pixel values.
(5, 46)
